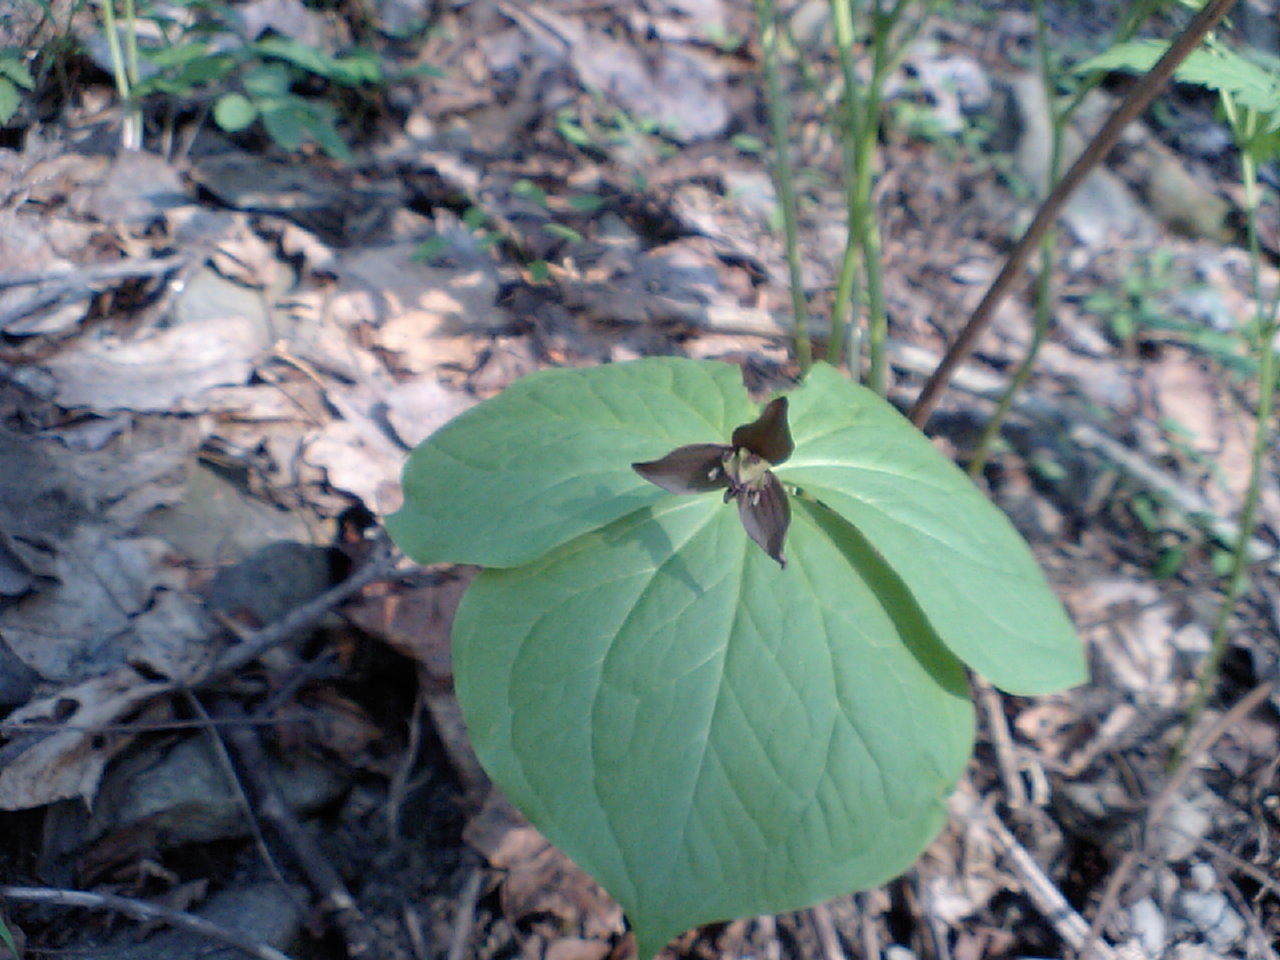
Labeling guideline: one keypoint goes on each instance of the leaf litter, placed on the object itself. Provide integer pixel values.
(170, 427)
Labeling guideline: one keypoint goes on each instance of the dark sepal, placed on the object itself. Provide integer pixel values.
(765, 511)
(767, 436)
(693, 469)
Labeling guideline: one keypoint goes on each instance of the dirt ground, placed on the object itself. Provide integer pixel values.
(221, 701)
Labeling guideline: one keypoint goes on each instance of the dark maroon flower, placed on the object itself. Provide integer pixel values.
(741, 469)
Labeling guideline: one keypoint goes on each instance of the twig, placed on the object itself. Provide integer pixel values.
(1139, 99)
(1260, 876)
(827, 936)
(1111, 896)
(464, 918)
(141, 910)
(998, 725)
(96, 273)
(413, 930)
(229, 770)
(767, 934)
(1042, 892)
(333, 895)
(1263, 948)
(868, 927)
(398, 788)
(76, 285)
(255, 643)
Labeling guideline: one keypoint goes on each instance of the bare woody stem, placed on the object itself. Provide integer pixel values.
(1139, 99)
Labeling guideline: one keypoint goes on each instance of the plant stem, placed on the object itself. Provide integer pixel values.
(860, 136)
(125, 68)
(1138, 99)
(851, 132)
(131, 41)
(1058, 120)
(783, 178)
(1266, 324)
(868, 225)
(113, 45)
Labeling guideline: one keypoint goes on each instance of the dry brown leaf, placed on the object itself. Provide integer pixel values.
(156, 372)
(409, 304)
(69, 763)
(416, 621)
(85, 621)
(246, 259)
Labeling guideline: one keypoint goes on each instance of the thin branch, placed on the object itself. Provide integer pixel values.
(254, 644)
(75, 286)
(141, 910)
(1139, 99)
(1160, 805)
(334, 897)
(1043, 893)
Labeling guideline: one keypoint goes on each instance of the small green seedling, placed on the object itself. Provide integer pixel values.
(708, 733)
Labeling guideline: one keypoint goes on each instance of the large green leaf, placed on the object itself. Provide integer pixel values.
(960, 557)
(550, 458)
(706, 733)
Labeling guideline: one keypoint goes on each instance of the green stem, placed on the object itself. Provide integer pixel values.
(113, 45)
(1266, 324)
(1137, 100)
(1044, 283)
(861, 133)
(783, 177)
(851, 131)
(867, 224)
(1044, 295)
(131, 41)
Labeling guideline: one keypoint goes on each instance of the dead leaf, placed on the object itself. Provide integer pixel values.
(26, 248)
(418, 408)
(410, 304)
(156, 372)
(136, 188)
(416, 621)
(83, 623)
(69, 763)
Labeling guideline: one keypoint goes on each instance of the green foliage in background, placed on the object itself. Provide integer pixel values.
(708, 734)
(256, 82)
(1250, 85)
(193, 56)
(13, 75)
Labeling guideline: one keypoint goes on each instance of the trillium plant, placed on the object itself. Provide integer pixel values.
(723, 710)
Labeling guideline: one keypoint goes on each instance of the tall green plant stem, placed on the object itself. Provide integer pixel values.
(131, 40)
(113, 46)
(856, 153)
(1139, 99)
(1266, 323)
(124, 66)
(1058, 120)
(783, 178)
(860, 128)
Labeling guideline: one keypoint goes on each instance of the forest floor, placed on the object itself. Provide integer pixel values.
(215, 355)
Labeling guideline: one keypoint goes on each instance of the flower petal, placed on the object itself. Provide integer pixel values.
(768, 435)
(693, 469)
(765, 512)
